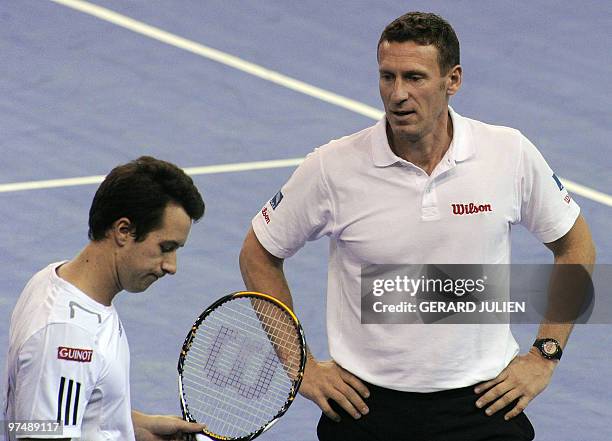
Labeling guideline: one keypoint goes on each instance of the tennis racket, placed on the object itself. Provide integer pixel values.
(241, 365)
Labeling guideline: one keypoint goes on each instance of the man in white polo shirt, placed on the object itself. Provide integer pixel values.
(422, 186)
(69, 360)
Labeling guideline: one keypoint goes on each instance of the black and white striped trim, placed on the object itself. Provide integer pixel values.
(68, 401)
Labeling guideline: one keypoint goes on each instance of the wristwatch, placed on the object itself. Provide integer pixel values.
(549, 348)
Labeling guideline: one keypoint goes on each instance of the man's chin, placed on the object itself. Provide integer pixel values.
(409, 133)
(137, 289)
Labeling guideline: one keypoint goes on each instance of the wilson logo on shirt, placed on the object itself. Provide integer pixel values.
(74, 354)
(567, 197)
(471, 208)
(265, 214)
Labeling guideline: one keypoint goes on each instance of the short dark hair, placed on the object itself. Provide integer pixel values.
(425, 28)
(140, 191)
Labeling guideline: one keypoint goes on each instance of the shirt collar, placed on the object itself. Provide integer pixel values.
(461, 148)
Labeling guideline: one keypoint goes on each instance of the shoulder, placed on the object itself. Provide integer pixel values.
(356, 142)
(347, 153)
(47, 299)
(62, 338)
(494, 144)
(482, 131)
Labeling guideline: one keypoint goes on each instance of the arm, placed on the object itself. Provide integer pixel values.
(155, 427)
(161, 427)
(528, 375)
(576, 247)
(263, 272)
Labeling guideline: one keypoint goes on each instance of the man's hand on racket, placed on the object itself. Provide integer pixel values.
(523, 379)
(162, 427)
(324, 380)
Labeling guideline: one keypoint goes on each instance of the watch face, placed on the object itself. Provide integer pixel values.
(550, 347)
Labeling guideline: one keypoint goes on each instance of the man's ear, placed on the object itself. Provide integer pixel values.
(454, 80)
(122, 231)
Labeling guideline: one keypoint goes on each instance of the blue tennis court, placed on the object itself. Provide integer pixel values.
(208, 85)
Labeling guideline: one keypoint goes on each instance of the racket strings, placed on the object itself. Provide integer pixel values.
(221, 410)
(278, 324)
(264, 376)
(240, 369)
(285, 341)
(246, 415)
(243, 419)
(277, 327)
(200, 358)
(281, 333)
(239, 422)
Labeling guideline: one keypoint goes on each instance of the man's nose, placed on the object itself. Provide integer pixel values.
(400, 91)
(169, 263)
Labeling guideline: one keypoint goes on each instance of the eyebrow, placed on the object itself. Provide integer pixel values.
(404, 72)
(174, 243)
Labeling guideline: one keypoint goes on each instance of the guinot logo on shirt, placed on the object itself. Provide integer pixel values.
(74, 354)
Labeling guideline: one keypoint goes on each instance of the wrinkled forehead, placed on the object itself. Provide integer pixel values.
(407, 55)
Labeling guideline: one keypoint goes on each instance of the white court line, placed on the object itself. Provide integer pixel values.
(221, 57)
(587, 192)
(573, 187)
(206, 170)
(252, 69)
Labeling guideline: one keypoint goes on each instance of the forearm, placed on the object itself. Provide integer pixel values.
(528, 375)
(263, 272)
(558, 331)
(577, 251)
(139, 419)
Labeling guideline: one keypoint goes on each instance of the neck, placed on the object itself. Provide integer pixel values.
(427, 151)
(93, 271)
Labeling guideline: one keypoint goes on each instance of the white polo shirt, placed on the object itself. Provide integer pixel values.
(377, 208)
(68, 361)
